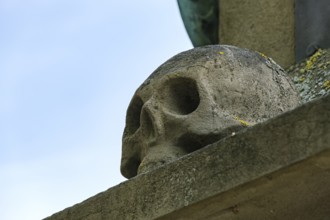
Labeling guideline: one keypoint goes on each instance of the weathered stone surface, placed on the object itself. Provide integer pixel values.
(198, 97)
(312, 76)
(250, 154)
(295, 192)
(262, 25)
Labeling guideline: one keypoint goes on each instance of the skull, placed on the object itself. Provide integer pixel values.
(197, 98)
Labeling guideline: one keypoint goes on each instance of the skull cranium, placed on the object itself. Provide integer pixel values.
(198, 97)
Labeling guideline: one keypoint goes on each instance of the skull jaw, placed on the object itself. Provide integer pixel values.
(158, 156)
(162, 153)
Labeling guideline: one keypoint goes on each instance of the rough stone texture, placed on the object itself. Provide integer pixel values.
(266, 26)
(296, 192)
(312, 76)
(250, 154)
(198, 97)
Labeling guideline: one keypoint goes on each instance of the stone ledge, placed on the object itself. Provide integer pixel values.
(299, 192)
(215, 169)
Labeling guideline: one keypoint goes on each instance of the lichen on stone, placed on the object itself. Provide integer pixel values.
(263, 55)
(326, 85)
(312, 75)
(244, 123)
(313, 59)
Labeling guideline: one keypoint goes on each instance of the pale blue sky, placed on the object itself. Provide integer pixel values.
(68, 70)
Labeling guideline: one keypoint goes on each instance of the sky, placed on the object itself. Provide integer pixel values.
(68, 70)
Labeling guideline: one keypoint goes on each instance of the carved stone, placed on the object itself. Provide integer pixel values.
(278, 169)
(197, 98)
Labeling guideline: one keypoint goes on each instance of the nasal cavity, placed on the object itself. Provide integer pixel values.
(181, 96)
(147, 122)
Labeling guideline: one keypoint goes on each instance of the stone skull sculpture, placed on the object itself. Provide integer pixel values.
(197, 98)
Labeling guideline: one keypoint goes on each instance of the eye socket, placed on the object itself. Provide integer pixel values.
(181, 96)
(133, 115)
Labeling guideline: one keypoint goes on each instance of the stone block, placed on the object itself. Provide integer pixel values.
(267, 26)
